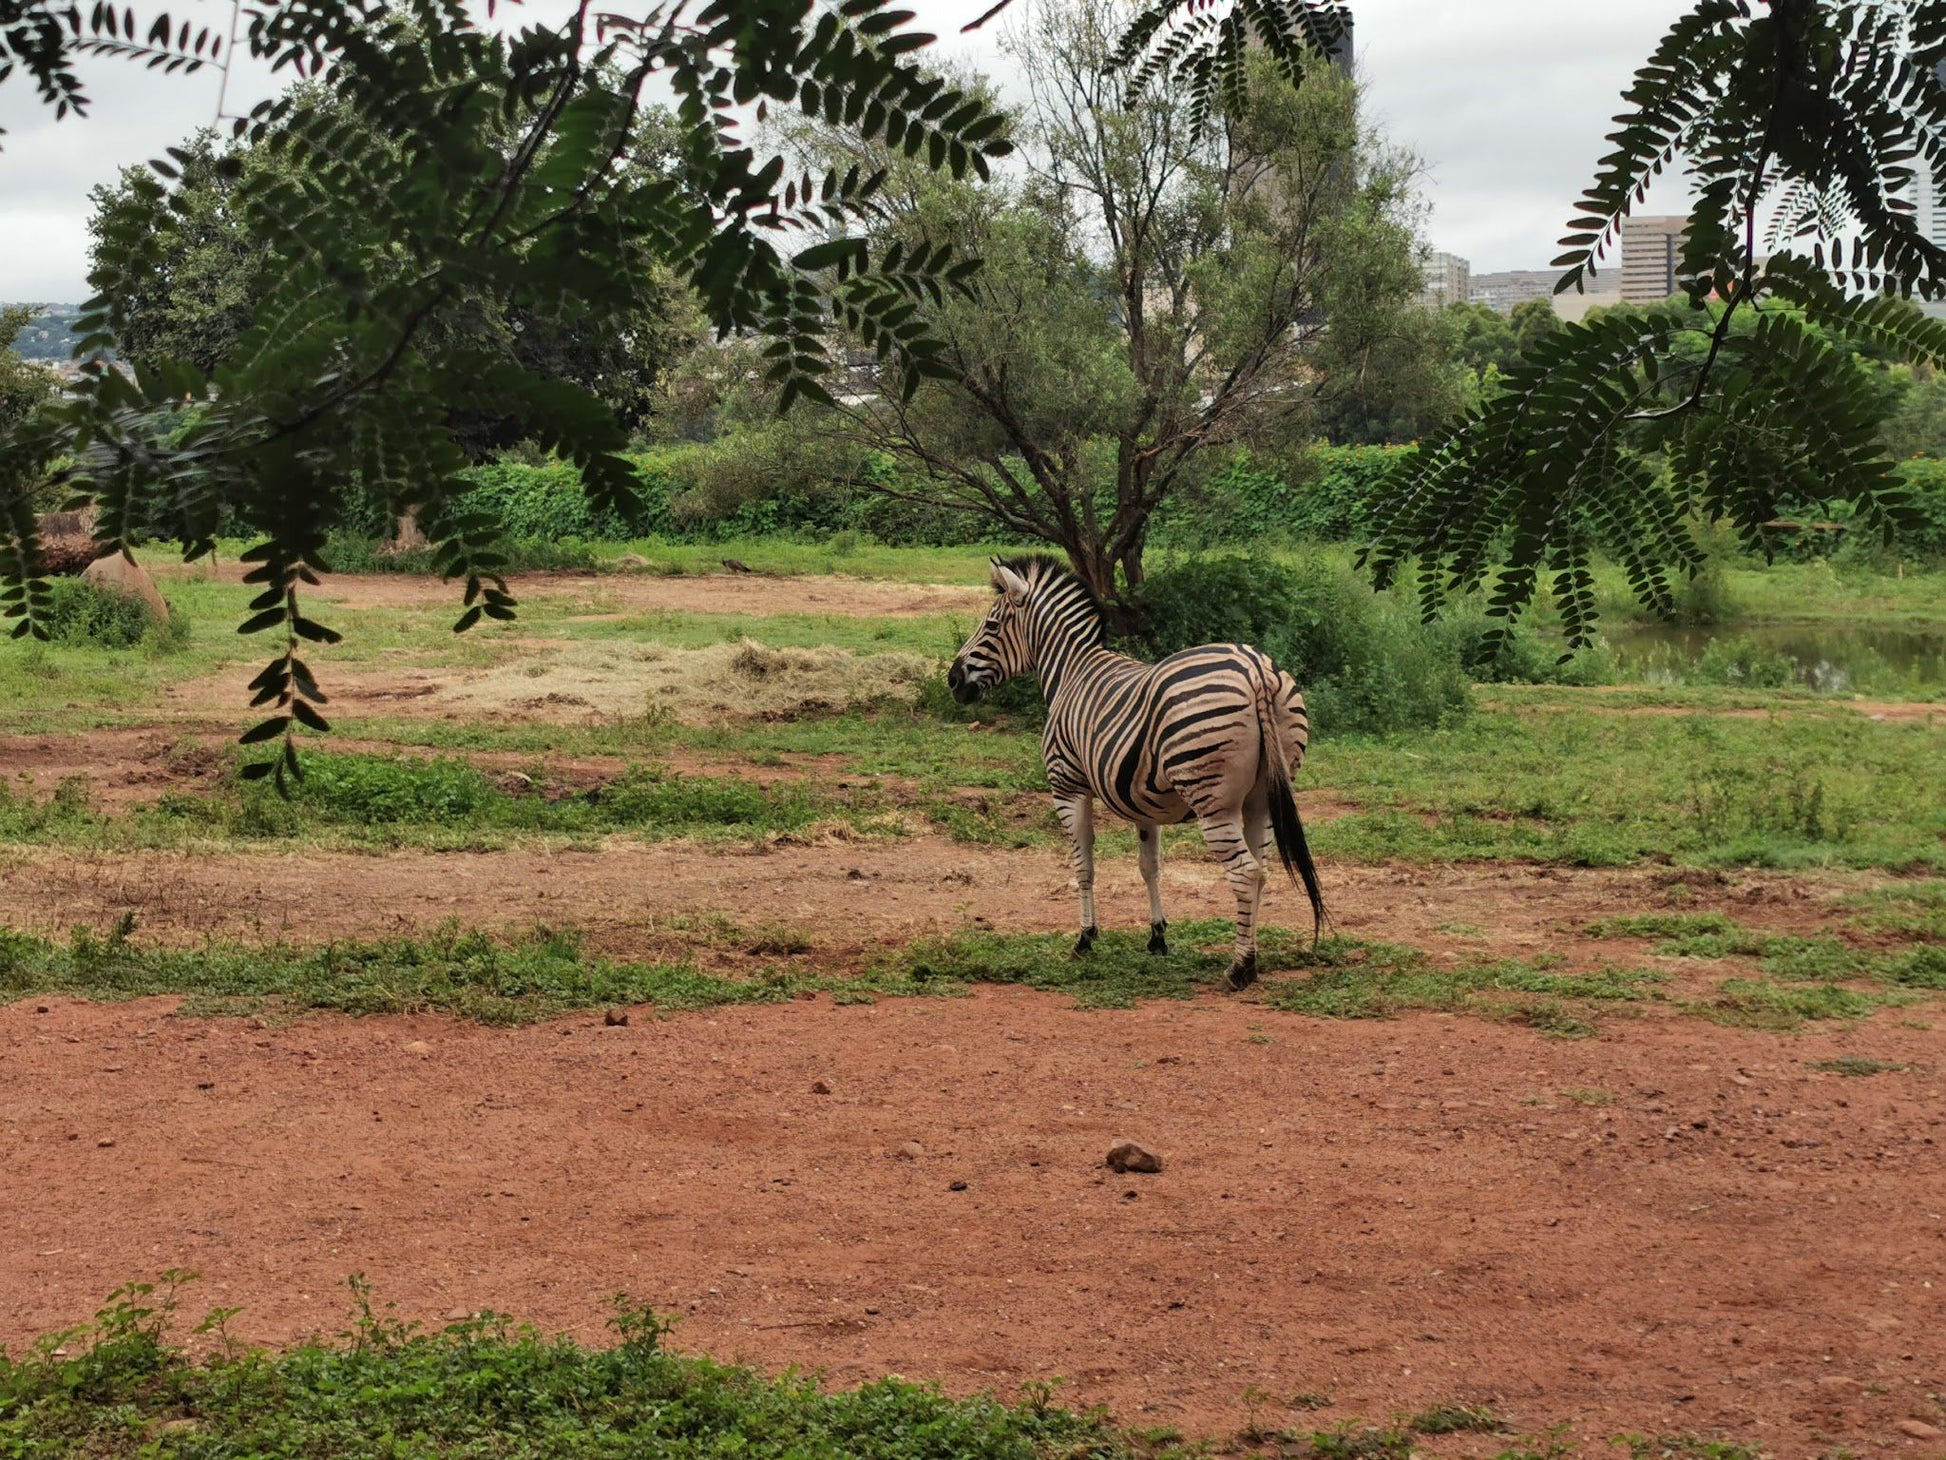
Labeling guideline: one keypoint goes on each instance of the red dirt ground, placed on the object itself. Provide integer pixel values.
(1395, 1214)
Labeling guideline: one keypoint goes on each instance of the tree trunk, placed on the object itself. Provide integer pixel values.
(408, 536)
(1094, 565)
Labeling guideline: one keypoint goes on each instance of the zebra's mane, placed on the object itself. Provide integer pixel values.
(1044, 570)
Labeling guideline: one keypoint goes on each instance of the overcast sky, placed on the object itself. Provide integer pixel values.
(1506, 101)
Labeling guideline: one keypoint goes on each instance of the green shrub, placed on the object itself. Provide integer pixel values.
(349, 552)
(1324, 495)
(1741, 662)
(1364, 664)
(372, 789)
(82, 615)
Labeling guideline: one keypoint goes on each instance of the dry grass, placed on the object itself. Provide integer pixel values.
(692, 686)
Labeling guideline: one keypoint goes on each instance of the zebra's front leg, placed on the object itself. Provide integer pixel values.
(1151, 856)
(1245, 874)
(1077, 814)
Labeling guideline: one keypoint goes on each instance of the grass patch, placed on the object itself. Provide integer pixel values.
(1664, 925)
(1858, 1066)
(519, 980)
(482, 1387)
(1343, 978)
(1554, 775)
(442, 801)
(1825, 959)
(1904, 909)
(1759, 1004)
(1453, 1419)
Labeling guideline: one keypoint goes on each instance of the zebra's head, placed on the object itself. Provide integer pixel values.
(1041, 615)
(998, 649)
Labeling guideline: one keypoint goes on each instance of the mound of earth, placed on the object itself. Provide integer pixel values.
(696, 686)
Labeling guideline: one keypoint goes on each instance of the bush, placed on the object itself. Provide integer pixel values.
(1324, 495)
(1739, 661)
(82, 615)
(1523, 657)
(1364, 664)
(349, 552)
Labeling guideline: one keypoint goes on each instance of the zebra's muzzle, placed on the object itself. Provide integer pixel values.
(965, 691)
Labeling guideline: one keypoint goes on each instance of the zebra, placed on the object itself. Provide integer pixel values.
(1211, 735)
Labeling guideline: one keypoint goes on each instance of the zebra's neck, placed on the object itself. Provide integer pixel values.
(1063, 627)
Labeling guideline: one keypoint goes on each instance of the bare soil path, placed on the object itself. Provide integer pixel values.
(756, 594)
(1392, 1214)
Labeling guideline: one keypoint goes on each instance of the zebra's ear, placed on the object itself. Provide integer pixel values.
(1008, 581)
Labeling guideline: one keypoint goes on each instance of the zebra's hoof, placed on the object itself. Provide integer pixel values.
(1157, 942)
(1242, 973)
(1086, 942)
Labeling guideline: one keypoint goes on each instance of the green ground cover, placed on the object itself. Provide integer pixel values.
(1696, 774)
(123, 1387)
(539, 974)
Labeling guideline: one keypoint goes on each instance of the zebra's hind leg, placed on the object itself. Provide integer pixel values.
(1077, 816)
(1225, 834)
(1151, 858)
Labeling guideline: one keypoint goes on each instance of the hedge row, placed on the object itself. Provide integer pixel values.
(1325, 495)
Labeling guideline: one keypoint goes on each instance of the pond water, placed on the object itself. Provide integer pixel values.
(1861, 659)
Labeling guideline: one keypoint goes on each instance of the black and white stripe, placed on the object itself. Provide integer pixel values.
(1211, 735)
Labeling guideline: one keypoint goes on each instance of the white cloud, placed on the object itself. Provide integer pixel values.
(1506, 100)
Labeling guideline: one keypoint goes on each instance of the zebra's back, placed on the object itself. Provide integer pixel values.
(1152, 740)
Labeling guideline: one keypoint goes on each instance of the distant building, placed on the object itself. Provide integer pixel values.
(1929, 213)
(1447, 282)
(1572, 306)
(1501, 291)
(1651, 257)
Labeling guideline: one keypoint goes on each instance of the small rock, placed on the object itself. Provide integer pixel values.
(910, 1151)
(818, 1087)
(457, 1315)
(104, 1144)
(615, 1018)
(1918, 1429)
(872, 1311)
(40, 1009)
(418, 1047)
(957, 1186)
(1127, 1156)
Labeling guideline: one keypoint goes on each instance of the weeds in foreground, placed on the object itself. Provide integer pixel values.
(484, 1386)
(1807, 977)
(1858, 1066)
(1342, 978)
(534, 976)
(121, 1388)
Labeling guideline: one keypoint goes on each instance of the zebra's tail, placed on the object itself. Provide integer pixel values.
(1285, 824)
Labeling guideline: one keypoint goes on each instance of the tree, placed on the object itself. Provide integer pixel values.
(1150, 289)
(1811, 111)
(1620, 430)
(200, 272)
(26, 389)
(479, 165)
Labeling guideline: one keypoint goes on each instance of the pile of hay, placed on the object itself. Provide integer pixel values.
(694, 686)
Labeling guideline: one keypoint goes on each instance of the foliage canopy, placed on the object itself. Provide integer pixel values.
(1801, 122)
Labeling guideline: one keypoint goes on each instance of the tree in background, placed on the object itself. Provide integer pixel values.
(1622, 431)
(1150, 290)
(26, 389)
(199, 271)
